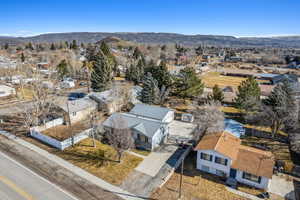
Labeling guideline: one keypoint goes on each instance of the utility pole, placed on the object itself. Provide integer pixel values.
(181, 176)
(70, 124)
(93, 126)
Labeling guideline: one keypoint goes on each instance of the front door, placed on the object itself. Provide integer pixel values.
(232, 173)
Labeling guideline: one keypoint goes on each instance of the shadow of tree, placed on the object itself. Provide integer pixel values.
(97, 158)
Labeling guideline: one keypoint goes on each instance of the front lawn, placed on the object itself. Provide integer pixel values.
(100, 161)
(196, 185)
(141, 152)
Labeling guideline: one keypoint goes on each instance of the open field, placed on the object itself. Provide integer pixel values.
(230, 109)
(211, 79)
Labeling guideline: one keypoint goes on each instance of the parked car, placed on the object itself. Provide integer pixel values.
(76, 95)
(83, 84)
(264, 195)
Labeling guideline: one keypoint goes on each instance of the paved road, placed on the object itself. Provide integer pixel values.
(19, 183)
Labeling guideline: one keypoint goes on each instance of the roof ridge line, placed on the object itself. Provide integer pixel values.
(219, 140)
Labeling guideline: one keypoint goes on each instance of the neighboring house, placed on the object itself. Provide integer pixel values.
(110, 103)
(229, 94)
(18, 79)
(6, 91)
(162, 114)
(265, 90)
(106, 102)
(43, 65)
(234, 127)
(233, 59)
(175, 69)
(149, 124)
(222, 154)
(296, 90)
(278, 78)
(67, 83)
(78, 109)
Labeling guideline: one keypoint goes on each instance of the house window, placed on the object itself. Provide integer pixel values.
(251, 177)
(142, 138)
(220, 173)
(205, 168)
(205, 156)
(74, 113)
(221, 161)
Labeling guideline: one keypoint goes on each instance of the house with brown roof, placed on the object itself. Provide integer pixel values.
(223, 154)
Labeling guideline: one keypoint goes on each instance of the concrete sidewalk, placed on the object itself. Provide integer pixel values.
(156, 160)
(76, 170)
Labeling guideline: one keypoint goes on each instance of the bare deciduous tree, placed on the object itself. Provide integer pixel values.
(279, 111)
(122, 93)
(93, 117)
(120, 137)
(42, 98)
(209, 118)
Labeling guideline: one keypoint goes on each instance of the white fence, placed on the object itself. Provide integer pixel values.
(60, 144)
(50, 124)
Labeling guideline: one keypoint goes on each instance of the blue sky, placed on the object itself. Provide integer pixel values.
(220, 17)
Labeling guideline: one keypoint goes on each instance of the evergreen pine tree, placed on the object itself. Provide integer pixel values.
(128, 73)
(217, 94)
(248, 95)
(74, 45)
(188, 84)
(62, 69)
(91, 53)
(101, 77)
(29, 46)
(199, 51)
(137, 53)
(139, 71)
(282, 111)
(149, 92)
(111, 58)
(52, 47)
(66, 44)
(161, 74)
(6, 46)
(22, 57)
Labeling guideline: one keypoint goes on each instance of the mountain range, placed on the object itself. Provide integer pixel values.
(161, 38)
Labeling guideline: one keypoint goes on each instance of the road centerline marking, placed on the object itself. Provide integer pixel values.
(15, 188)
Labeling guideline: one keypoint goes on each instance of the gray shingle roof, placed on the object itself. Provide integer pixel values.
(154, 112)
(147, 127)
(79, 104)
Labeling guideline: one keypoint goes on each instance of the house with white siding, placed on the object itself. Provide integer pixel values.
(7, 91)
(149, 124)
(223, 154)
(78, 110)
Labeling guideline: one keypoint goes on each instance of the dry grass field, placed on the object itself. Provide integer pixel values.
(211, 79)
